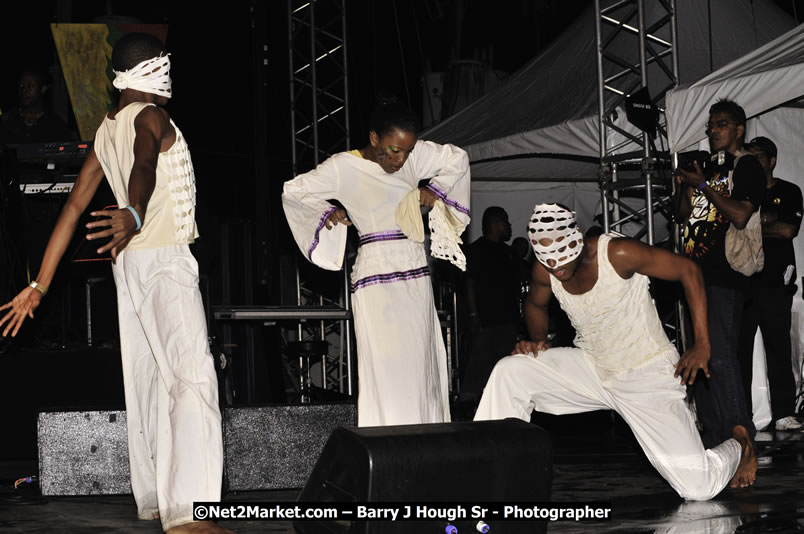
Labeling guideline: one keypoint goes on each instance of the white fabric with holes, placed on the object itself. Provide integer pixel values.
(182, 188)
(557, 225)
(150, 76)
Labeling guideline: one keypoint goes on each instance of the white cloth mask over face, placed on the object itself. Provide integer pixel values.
(149, 76)
(554, 235)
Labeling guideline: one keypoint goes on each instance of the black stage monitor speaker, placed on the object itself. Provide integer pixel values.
(471, 462)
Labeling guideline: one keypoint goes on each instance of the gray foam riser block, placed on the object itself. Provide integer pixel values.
(83, 453)
(265, 447)
(276, 447)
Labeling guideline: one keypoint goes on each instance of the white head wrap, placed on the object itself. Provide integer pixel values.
(149, 76)
(557, 225)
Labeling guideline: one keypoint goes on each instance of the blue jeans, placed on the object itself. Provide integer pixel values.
(720, 400)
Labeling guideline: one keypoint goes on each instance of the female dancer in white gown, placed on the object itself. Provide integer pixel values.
(402, 370)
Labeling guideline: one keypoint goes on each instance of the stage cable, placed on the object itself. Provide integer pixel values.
(23, 492)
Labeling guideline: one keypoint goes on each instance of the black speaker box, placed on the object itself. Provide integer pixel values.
(471, 462)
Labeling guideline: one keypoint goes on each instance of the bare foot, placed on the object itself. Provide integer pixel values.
(199, 527)
(747, 469)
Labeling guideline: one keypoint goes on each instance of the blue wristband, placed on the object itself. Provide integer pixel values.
(136, 216)
(701, 186)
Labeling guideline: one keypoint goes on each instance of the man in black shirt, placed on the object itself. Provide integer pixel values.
(706, 206)
(770, 296)
(492, 299)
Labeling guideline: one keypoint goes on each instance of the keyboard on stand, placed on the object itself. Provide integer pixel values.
(48, 168)
(55, 153)
(61, 187)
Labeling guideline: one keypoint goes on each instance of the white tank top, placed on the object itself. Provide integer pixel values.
(170, 218)
(616, 321)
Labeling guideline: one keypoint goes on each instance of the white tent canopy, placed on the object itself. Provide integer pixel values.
(542, 124)
(549, 108)
(759, 81)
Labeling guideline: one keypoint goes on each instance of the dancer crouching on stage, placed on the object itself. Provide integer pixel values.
(402, 368)
(174, 425)
(624, 361)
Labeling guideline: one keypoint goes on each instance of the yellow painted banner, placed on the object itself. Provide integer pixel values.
(85, 53)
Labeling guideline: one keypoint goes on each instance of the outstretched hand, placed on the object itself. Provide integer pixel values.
(21, 307)
(695, 359)
(121, 225)
(531, 347)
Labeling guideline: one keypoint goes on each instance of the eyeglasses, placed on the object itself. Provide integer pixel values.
(720, 125)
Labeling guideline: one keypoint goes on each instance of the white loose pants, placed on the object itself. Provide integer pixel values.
(174, 425)
(564, 380)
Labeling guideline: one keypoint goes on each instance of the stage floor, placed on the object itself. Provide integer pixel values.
(595, 459)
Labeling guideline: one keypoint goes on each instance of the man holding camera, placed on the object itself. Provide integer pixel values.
(706, 203)
(770, 298)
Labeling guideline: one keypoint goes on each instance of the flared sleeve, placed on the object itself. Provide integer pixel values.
(447, 167)
(305, 201)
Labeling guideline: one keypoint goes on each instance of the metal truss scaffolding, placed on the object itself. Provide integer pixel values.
(636, 53)
(318, 81)
(320, 128)
(633, 40)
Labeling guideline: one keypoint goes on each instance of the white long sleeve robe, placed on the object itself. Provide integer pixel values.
(402, 370)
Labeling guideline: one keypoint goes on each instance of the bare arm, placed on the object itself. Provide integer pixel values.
(536, 314)
(779, 230)
(785, 221)
(24, 304)
(681, 200)
(152, 127)
(774, 228)
(629, 256)
(736, 211)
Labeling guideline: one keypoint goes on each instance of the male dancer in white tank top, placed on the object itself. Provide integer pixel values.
(623, 360)
(174, 423)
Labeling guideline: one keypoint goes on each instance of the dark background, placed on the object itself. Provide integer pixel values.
(239, 132)
(217, 56)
